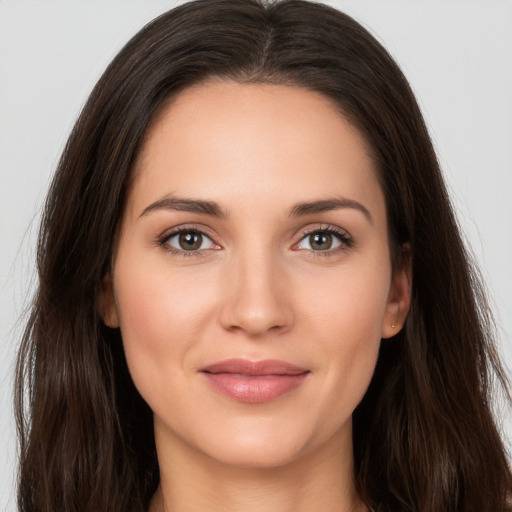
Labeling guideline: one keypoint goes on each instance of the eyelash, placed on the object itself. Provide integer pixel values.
(346, 240)
(162, 241)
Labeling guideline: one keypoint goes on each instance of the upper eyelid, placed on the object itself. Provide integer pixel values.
(330, 228)
(168, 233)
(326, 227)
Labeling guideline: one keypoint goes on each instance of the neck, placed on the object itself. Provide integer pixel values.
(319, 480)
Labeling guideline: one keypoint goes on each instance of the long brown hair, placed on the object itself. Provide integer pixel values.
(424, 435)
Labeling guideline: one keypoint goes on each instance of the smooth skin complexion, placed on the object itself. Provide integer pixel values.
(254, 230)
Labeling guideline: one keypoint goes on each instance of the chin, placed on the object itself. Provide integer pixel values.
(253, 452)
(264, 444)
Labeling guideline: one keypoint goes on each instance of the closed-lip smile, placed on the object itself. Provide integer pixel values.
(254, 381)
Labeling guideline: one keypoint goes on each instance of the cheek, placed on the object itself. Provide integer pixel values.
(161, 316)
(345, 316)
(349, 304)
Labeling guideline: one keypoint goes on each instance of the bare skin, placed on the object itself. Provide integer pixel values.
(255, 229)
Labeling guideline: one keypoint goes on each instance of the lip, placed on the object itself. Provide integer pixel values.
(254, 381)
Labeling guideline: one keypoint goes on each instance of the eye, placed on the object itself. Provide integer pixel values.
(323, 240)
(189, 240)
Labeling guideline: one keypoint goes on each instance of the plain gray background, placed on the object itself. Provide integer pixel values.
(457, 55)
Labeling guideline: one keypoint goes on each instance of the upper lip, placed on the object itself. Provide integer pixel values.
(254, 368)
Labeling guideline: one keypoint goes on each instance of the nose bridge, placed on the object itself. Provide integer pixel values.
(257, 300)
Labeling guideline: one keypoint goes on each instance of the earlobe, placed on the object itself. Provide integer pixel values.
(106, 303)
(399, 299)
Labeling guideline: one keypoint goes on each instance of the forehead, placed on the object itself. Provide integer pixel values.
(252, 141)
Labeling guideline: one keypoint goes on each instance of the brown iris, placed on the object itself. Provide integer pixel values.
(190, 241)
(320, 241)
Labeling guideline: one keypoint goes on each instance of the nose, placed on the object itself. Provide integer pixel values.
(257, 298)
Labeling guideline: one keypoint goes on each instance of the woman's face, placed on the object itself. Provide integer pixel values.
(252, 280)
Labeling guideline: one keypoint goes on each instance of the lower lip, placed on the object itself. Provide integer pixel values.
(254, 389)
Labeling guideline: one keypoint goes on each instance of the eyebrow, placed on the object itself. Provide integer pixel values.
(184, 204)
(325, 205)
(215, 210)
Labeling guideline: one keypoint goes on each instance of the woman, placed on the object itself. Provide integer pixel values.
(253, 292)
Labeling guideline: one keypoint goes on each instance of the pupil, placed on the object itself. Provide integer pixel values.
(321, 241)
(190, 241)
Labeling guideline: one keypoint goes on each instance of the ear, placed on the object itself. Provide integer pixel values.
(106, 302)
(399, 299)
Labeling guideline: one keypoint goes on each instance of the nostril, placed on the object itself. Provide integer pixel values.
(255, 318)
